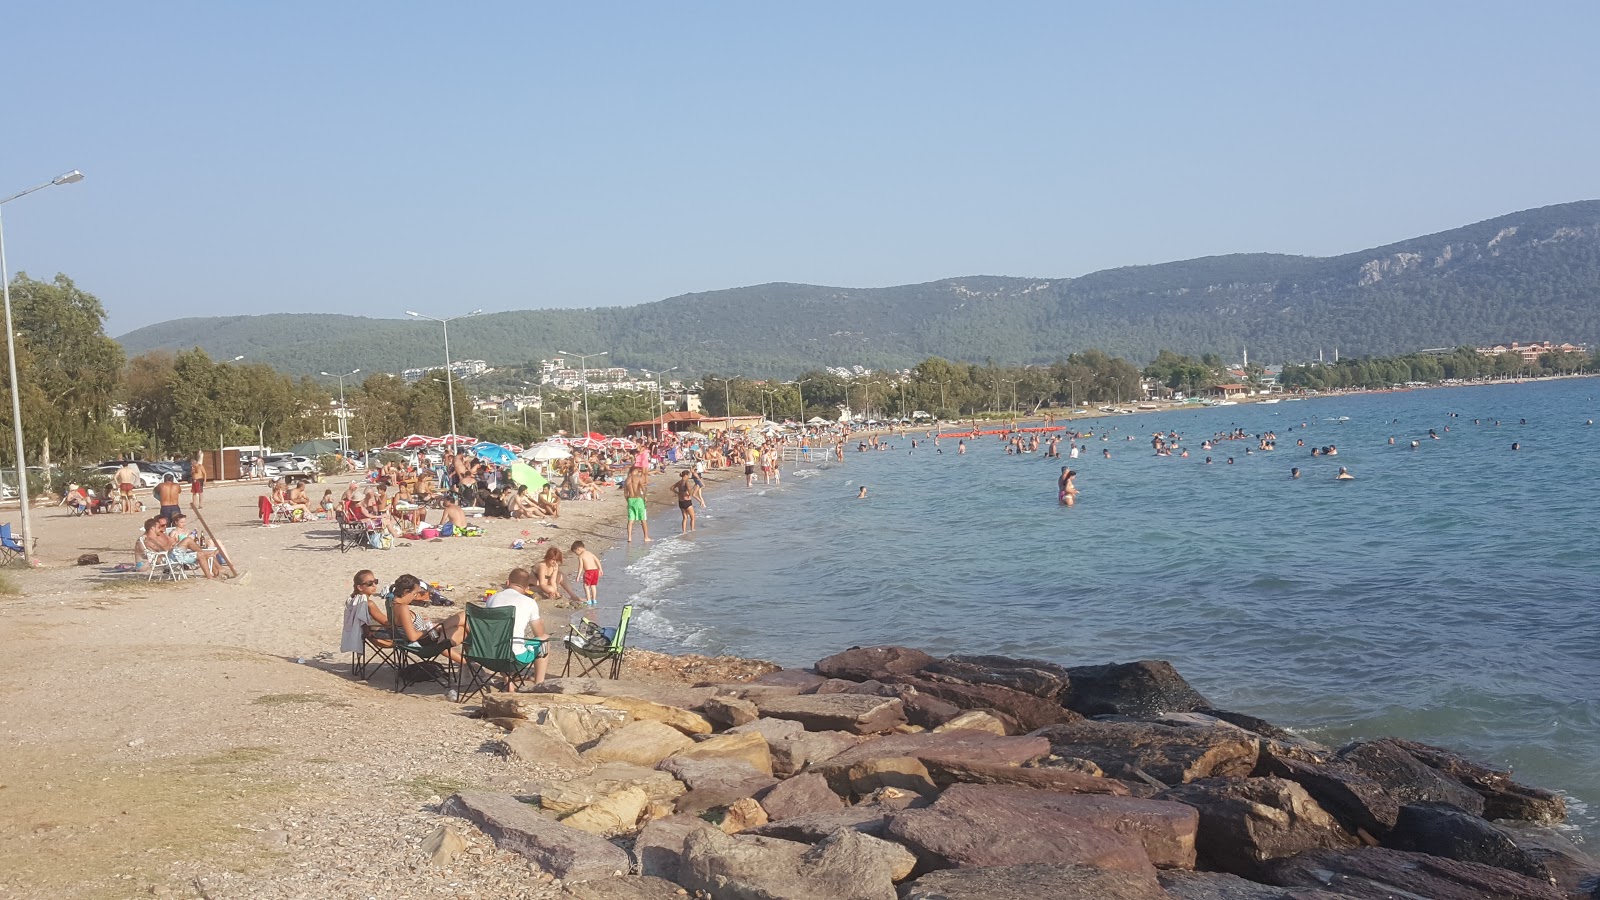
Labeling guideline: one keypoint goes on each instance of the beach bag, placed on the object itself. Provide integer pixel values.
(429, 534)
(427, 670)
(379, 540)
(590, 636)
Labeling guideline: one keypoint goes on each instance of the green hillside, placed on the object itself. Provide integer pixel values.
(1528, 275)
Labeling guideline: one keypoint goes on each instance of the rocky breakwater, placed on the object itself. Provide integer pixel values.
(887, 774)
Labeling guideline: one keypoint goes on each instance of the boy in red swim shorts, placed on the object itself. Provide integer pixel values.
(591, 570)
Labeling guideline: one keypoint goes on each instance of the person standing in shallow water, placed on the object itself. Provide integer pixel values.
(1068, 492)
(633, 488)
(683, 489)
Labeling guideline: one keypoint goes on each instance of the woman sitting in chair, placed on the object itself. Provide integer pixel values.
(372, 616)
(419, 630)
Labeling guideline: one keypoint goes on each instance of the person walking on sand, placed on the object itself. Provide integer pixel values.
(590, 571)
(197, 482)
(633, 488)
(683, 489)
(127, 477)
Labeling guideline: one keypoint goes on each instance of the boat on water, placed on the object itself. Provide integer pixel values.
(1273, 400)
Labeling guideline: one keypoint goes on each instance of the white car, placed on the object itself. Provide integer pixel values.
(290, 463)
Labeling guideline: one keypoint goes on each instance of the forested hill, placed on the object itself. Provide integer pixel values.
(1529, 275)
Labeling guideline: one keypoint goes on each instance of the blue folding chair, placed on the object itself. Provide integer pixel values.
(11, 549)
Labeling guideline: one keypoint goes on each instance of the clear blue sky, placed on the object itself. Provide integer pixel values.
(370, 157)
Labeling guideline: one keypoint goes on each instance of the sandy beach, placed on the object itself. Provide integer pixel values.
(205, 738)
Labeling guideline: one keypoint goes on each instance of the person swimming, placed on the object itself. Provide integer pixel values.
(862, 495)
(1344, 475)
(1516, 446)
(1295, 472)
(1068, 492)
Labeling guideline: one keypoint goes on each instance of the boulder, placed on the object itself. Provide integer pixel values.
(747, 748)
(867, 818)
(659, 847)
(841, 867)
(982, 825)
(902, 773)
(843, 686)
(1407, 779)
(628, 887)
(863, 663)
(798, 678)
(797, 752)
(741, 815)
(800, 796)
(569, 795)
(1375, 873)
(687, 722)
(539, 744)
(1030, 711)
(728, 711)
(1030, 676)
(1144, 688)
(715, 783)
(1575, 872)
(1070, 764)
(1502, 797)
(961, 746)
(566, 853)
(526, 706)
(1033, 882)
(946, 772)
(1224, 886)
(1439, 829)
(1172, 754)
(771, 729)
(925, 709)
(611, 815)
(582, 725)
(1251, 723)
(1359, 803)
(980, 720)
(444, 846)
(1247, 822)
(641, 743)
(853, 713)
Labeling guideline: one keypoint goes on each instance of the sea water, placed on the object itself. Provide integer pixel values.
(1449, 594)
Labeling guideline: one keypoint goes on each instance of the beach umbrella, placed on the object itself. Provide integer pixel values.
(524, 474)
(411, 442)
(494, 453)
(547, 452)
(587, 443)
(596, 436)
(621, 443)
(514, 448)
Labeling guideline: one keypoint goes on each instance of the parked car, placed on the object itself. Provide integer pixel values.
(147, 477)
(288, 462)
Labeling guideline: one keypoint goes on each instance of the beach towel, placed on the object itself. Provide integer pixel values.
(355, 615)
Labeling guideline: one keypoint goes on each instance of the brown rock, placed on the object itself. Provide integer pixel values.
(742, 814)
(1181, 885)
(1358, 802)
(659, 846)
(582, 725)
(564, 852)
(715, 783)
(641, 743)
(796, 752)
(900, 772)
(747, 748)
(663, 693)
(862, 663)
(1029, 711)
(946, 772)
(729, 711)
(962, 746)
(1248, 822)
(498, 705)
(730, 868)
(444, 845)
(628, 887)
(771, 729)
(569, 795)
(799, 796)
(979, 720)
(925, 709)
(798, 678)
(688, 723)
(812, 827)
(1030, 676)
(1144, 688)
(1170, 753)
(540, 745)
(611, 815)
(1502, 797)
(1439, 829)
(837, 712)
(1034, 882)
(1374, 873)
(1407, 779)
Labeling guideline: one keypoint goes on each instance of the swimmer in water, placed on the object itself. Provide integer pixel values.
(961, 447)
(1208, 460)
(1344, 475)
(1516, 446)
(1391, 440)
(863, 493)
(1294, 473)
(1106, 453)
(1068, 492)
(1415, 444)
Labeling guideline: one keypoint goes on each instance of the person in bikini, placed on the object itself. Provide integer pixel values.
(683, 489)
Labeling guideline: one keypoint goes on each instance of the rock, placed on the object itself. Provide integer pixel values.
(566, 853)
(902, 773)
(771, 729)
(838, 868)
(1575, 872)
(1144, 688)
(837, 712)
(525, 706)
(1247, 822)
(539, 744)
(1030, 712)
(1502, 797)
(1407, 779)
(572, 794)
(1033, 882)
(979, 720)
(715, 783)
(1070, 764)
(747, 748)
(628, 887)
(947, 772)
(863, 663)
(658, 809)
(659, 846)
(1358, 802)
(962, 746)
(925, 709)
(1251, 723)
(444, 845)
(798, 678)
(1374, 873)
(1442, 830)
(741, 815)
(611, 815)
(796, 752)
(730, 711)
(843, 686)
(641, 743)
(867, 818)
(800, 796)
(1172, 754)
(1030, 676)
(583, 725)
(982, 825)
(1223, 886)
(687, 722)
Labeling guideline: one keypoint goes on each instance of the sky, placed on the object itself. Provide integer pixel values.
(370, 158)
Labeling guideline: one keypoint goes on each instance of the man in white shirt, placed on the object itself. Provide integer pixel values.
(515, 595)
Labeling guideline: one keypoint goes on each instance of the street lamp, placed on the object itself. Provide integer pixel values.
(583, 365)
(344, 413)
(799, 388)
(661, 403)
(449, 385)
(72, 177)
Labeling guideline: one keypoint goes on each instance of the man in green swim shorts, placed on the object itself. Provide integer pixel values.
(633, 487)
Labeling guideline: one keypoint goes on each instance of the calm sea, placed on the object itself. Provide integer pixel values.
(1450, 594)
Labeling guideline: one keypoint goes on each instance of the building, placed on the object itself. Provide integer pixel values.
(1530, 353)
(461, 368)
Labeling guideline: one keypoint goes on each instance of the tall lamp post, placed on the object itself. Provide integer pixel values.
(72, 177)
(661, 403)
(344, 413)
(583, 366)
(449, 382)
(799, 388)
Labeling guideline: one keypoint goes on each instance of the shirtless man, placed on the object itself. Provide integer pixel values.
(454, 517)
(683, 489)
(168, 493)
(590, 571)
(749, 466)
(633, 488)
(127, 477)
(197, 482)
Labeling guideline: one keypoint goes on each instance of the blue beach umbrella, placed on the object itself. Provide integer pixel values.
(493, 453)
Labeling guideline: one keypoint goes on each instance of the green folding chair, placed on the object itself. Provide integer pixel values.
(590, 660)
(408, 654)
(490, 650)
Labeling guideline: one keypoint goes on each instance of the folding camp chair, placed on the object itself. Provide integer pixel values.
(160, 562)
(593, 659)
(375, 651)
(351, 534)
(11, 549)
(489, 650)
(408, 654)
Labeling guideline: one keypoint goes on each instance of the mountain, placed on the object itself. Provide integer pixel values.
(1529, 275)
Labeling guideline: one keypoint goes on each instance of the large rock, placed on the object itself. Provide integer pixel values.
(641, 743)
(1409, 780)
(900, 773)
(1358, 802)
(1247, 822)
(1033, 882)
(1375, 873)
(539, 744)
(1502, 797)
(751, 749)
(742, 814)
(844, 866)
(925, 709)
(689, 723)
(659, 847)
(982, 825)
(582, 725)
(961, 746)
(498, 705)
(1224, 886)
(853, 713)
(1031, 676)
(867, 818)
(1173, 754)
(1575, 872)
(611, 815)
(1443, 830)
(771, 729)
(729, 711)
(1144, 688)
(572, 794)
(1030, 711)
(800, 796)
(666, 694)
(980, 720)
(628, 887)
(715, 783)
(946, 772)
(863, 663)
(564, 852)
(796, 678)
(792, 747)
